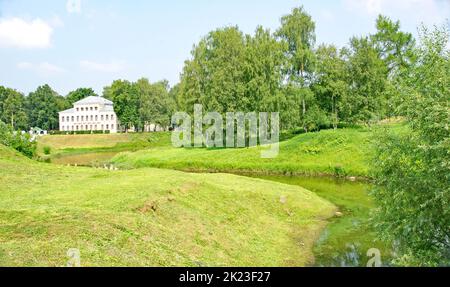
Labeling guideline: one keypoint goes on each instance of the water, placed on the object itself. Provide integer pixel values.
(347, 239)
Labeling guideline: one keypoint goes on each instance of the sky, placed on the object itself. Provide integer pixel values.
(89, 43)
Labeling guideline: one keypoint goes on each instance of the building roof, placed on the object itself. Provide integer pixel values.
(94, 100)
(68, 111)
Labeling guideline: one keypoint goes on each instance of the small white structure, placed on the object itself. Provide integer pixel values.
(37, 132)
(90, 114)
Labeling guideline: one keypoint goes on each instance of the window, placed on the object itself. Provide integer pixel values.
(96, 117)
(112, 127)
(68, 119)
(107, 117)
(77, 127)
(95, 127)
(107, 127)
(112, 117)
(96, 108)
(102, 127)
(78, 118)
(62, 119)
(82, 118)
(102, 117)
(86, 127)
(92, 118)
(73, 118)
(82, 109)
(91, 108)
(77, 109)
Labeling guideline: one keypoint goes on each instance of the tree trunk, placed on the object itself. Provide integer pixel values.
(12, 121)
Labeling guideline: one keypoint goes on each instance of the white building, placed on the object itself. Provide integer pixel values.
(89, 114)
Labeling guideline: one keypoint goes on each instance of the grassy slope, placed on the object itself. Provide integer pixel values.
(327, 152)
(198, 219)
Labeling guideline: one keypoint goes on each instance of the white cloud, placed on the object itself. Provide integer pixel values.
(19, 33)
(42, 69)
(73, 6)
(111, 67)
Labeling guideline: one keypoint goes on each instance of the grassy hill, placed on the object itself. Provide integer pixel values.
(152, 217)
(333, 152)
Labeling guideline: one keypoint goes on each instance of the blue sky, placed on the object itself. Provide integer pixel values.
(89, 43)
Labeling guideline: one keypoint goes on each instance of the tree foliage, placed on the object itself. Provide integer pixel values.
(413, 169)
(43, 106)
(12, 108)
(19, 141)
(79, 94)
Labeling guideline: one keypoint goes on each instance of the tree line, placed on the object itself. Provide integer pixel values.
(136, 104)
(311, 85)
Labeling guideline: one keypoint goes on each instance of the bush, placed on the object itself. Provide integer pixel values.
(412, 169)
(17, 140)
(47, 150)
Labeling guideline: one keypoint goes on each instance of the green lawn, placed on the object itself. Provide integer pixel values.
(91, 150)
(333, 152)
(152, 217)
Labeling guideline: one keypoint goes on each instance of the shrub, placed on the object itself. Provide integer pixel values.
(412, 169)
(47, 150)
(17, 140)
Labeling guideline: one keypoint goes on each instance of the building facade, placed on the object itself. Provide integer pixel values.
(90, 114)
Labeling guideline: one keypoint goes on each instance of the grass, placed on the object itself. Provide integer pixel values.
(152, 217)
(331, 152)
(92, 150)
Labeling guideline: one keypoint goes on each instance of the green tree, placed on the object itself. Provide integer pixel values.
(43, 106)
(412, 168)
(156, 106)
(13, 109)
(367, 80)
(263, 79)
(79, 94)
(330, 86)
(298, 32)
(126, 103)
(17, 140)
(214, 75)
(174, 94)
(396, 48)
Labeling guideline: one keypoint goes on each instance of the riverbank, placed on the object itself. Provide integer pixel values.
(346, 239)
(341, 153)
(152, 217)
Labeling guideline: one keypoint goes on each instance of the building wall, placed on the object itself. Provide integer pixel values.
(88, 118)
